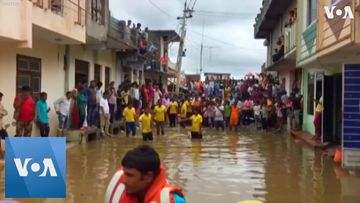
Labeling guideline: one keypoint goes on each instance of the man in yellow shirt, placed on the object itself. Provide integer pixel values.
(129, 114)
(183, 114)
(173, 110)
(196, 122)
(146, 123)
(160, 117)
(189, 107)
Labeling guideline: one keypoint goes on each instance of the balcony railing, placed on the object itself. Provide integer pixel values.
(260, 16)
(81, 16)
(126, 34)
(290, 38)
(58, 7)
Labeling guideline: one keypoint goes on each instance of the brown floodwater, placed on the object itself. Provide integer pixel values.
(222, 168)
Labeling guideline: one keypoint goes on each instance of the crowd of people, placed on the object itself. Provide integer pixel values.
(258, 99)
(218, 104)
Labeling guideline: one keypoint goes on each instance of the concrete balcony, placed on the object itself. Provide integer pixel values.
(120, 37)
(16, 23)
(269, 16)
(97, 26)
(287, 59)
(60, 21)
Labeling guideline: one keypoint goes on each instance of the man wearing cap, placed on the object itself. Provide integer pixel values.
(24, 112)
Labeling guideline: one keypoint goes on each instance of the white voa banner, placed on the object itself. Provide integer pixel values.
(351, 116)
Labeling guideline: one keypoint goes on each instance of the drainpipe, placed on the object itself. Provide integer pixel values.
(67, 67)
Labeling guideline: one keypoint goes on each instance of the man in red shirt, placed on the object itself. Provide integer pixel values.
(24, 112)
(164, 60)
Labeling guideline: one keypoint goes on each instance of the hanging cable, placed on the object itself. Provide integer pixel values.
(160, 9)
(224, 42)
(194, 5)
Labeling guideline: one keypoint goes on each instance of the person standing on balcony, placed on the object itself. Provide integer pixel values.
(164, 60)
(24, 112)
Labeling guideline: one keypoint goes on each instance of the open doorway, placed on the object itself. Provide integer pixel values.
(81, 71)
(330, 88)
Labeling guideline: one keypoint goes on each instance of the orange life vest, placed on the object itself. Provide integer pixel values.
(159, 192)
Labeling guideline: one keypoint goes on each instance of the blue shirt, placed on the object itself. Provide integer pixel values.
(179, 199)
(41, 109)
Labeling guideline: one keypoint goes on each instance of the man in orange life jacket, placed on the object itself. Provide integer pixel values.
(142, 179)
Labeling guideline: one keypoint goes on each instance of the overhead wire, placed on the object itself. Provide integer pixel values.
(160, 9)
(194, 5)
(224, 42)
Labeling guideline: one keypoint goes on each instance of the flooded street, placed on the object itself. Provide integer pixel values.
(223, 168)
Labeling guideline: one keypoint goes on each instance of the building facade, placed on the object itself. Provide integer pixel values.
(52, 45)
(326, 55)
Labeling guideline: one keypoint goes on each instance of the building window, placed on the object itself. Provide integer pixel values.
(97, 11)
(28, 72)
(81, 71)
(311, 89)
(312, 11)
(97, 72)
(56, 6)
(107, 77)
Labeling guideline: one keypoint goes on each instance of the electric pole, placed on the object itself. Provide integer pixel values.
(201, 52)
(187, 13)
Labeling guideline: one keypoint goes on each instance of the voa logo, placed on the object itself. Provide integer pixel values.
(22, 167)
(345, 13)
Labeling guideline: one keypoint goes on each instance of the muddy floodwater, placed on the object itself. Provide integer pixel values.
(223, 168)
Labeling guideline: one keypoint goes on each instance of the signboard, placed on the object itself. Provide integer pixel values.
(351, 115)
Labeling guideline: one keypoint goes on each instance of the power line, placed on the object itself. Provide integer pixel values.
(160, 9)
(194, 5)
(224, 42)
(223, 16)
(223, 13)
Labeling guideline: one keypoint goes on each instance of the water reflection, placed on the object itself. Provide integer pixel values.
(224, 167)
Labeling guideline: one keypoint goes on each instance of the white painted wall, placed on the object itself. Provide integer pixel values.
(52, 78)
(104, 59)
(52, 75)
(288, 80)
